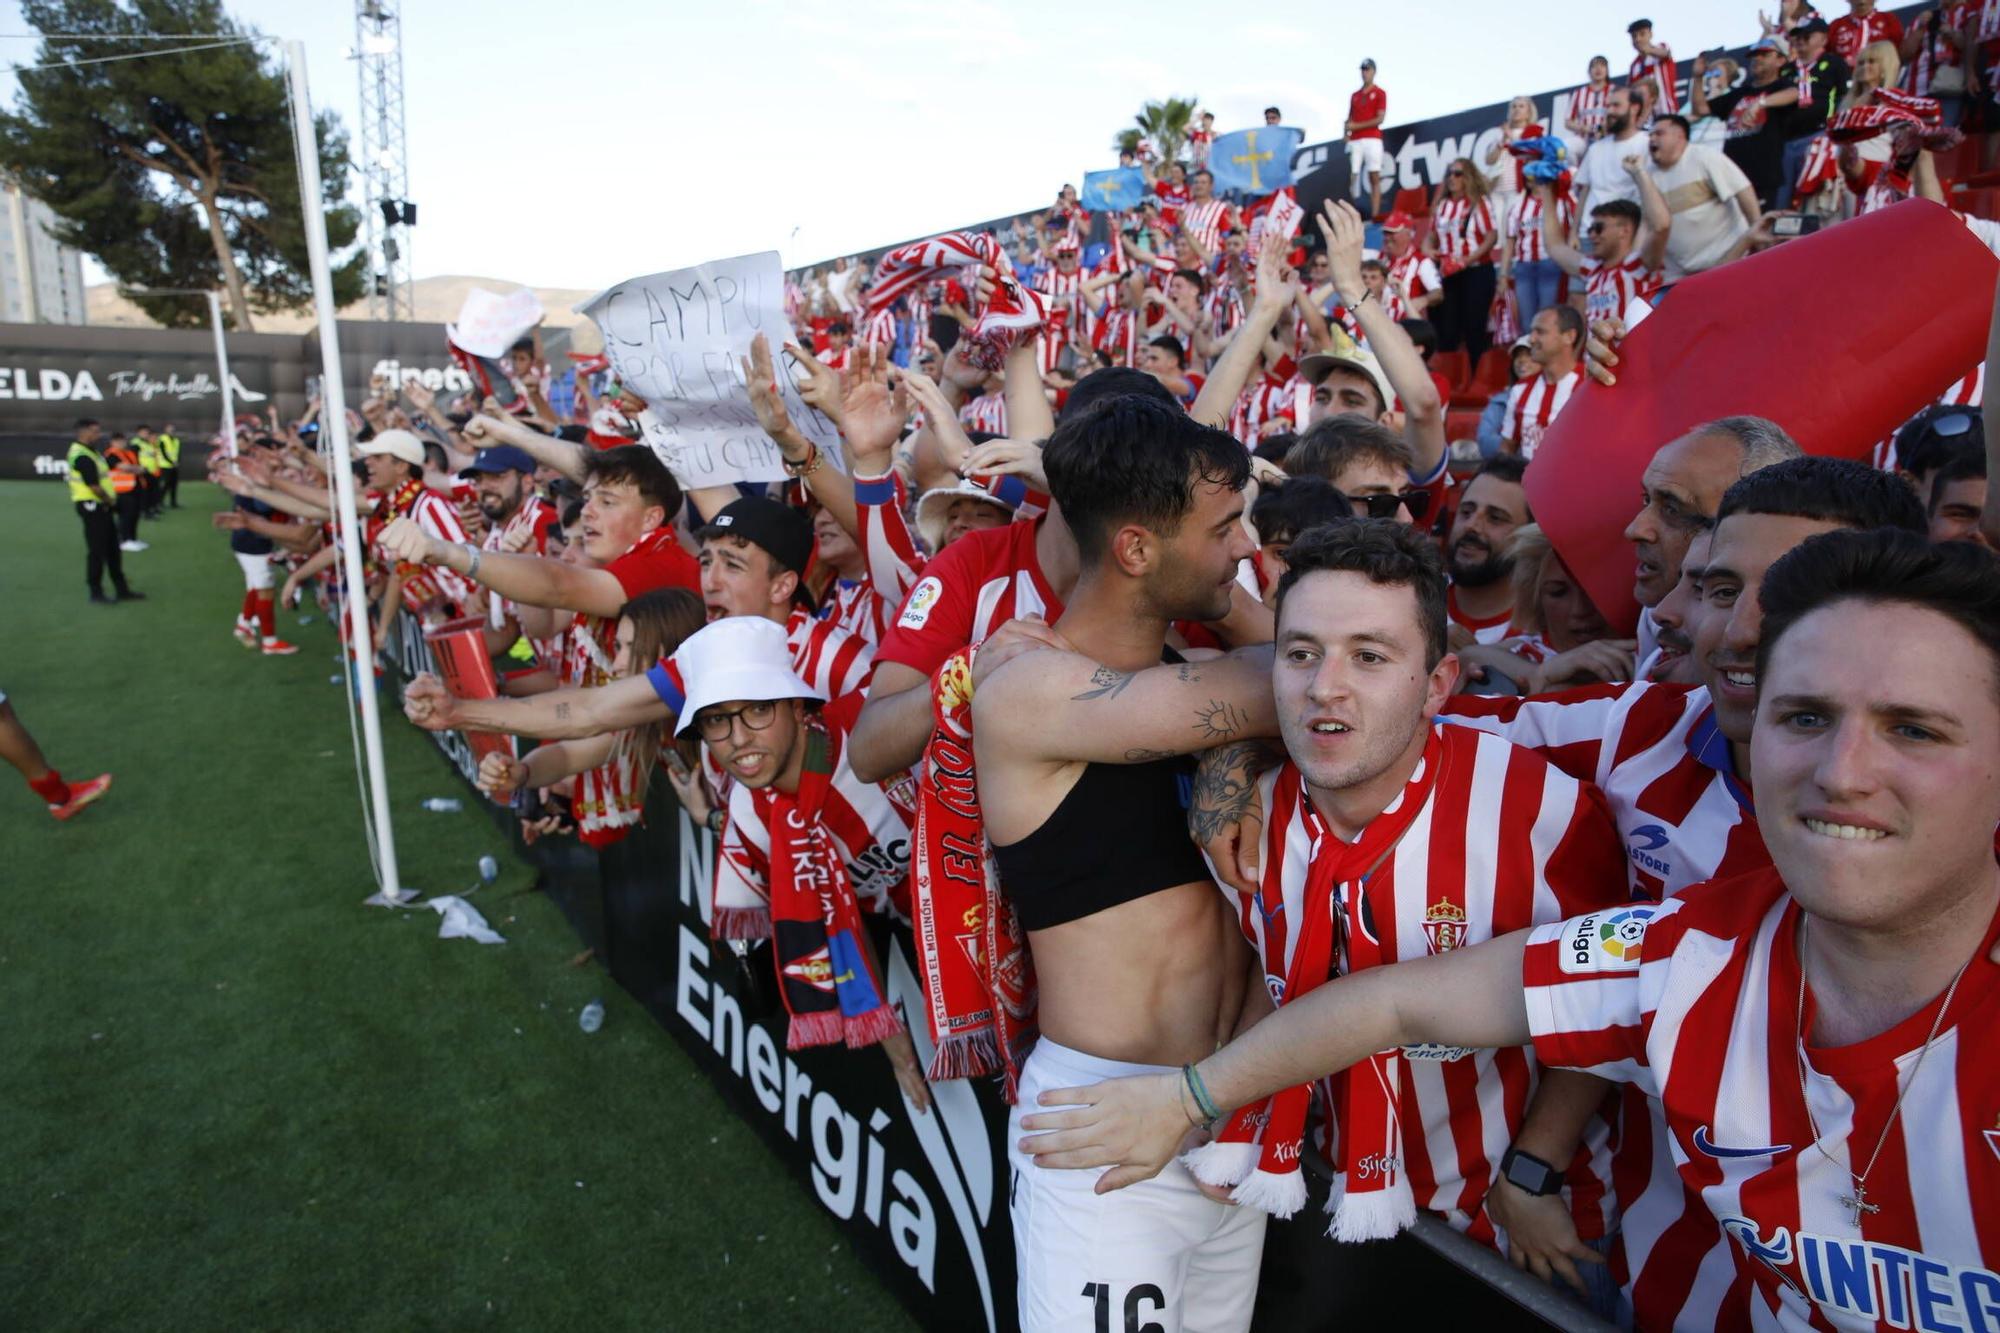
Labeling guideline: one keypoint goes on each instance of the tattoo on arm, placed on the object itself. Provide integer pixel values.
(1225, 785)
(1218, 720)
(562, 712)
(1148, 756)
(1105, 684)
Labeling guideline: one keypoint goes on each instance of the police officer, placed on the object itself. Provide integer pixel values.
(89, 478)
(150, 464)
(170, 463)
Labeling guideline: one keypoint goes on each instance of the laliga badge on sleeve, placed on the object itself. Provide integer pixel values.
(1606, 941)
(917, 609)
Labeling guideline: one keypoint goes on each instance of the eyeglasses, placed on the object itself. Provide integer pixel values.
(756, 716)
(1454, 172)
(1385, 506)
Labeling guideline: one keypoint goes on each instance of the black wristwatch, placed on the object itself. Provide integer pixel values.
(1528, 1172)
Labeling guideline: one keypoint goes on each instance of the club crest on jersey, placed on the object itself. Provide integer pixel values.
(1992, 1136)
(917, 609)
(1606, 941)
(1444, 926)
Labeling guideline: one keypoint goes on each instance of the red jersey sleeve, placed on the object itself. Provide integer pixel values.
(1587, 983)
(935, 620)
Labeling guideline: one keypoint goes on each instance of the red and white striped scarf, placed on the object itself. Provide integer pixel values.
(607, 802)
(1012, 313)
(1259, 1147)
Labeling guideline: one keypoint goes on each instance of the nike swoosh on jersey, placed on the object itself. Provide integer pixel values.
(1708, 1146)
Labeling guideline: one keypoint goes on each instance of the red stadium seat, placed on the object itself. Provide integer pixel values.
(1455, 366)
(1462, 423)
(1416, 202)
(1491, 376)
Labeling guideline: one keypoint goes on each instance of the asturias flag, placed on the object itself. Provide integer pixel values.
(1113, 191)
(1254, 162)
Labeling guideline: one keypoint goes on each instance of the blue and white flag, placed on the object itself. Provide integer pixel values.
(1254, 162)
(1113, 191)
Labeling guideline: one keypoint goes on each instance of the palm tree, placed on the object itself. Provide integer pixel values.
(1167, 124)
(1129, 141)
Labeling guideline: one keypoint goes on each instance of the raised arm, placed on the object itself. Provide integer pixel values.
(1423, 410)
(1555, 237)
(1055, 705)
(551, 452)
(531, 579)
(1277, 287)
(1653, 210)
(570, 714)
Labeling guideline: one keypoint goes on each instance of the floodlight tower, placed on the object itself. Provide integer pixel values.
(384, 160)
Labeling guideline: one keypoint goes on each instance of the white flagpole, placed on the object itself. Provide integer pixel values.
(333, 425)
(222, 368)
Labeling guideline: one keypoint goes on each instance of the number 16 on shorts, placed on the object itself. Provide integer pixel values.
(1139, 1301)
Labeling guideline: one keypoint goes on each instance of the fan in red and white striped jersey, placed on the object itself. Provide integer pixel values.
(1531, 405)
(1205, 219)
(1655, 67)
(1588, 104)
(1503, 840)
(1611, 289)
(1272, 398)
(1412, 274)
(1660, 760)
(1700, 1004)
(1063, 286)
(423, 585)
(871, 827)
(1461, 227)
(987, 412)
(1934, 53)
(525, 530)
(1524, 224)
(880, 329)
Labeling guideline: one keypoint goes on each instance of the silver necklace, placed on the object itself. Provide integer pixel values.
(1857, 1202)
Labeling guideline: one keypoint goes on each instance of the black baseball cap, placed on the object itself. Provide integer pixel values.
(1637, 24)
(500, 458)
(1813, 24)
(786, 533)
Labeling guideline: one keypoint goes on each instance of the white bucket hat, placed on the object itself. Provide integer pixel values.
(933, 505)
(737, 657)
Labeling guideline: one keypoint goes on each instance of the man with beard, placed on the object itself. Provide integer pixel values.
(517, 520)
(1603, 176)
(1681, 488)
(1493, 504)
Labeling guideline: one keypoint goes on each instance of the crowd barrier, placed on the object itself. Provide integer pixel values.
(922, 1199)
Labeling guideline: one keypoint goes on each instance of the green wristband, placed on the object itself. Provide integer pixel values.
(1203, 1102)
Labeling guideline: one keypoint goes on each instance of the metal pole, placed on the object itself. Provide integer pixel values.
(222, 368)
(333, 425)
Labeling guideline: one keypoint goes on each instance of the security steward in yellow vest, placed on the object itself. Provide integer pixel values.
(150, 464)
(89, 477)
(170, 463)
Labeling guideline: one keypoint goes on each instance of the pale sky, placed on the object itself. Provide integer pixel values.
(577, 145)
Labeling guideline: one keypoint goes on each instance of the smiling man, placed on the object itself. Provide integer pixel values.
(1815, 1030)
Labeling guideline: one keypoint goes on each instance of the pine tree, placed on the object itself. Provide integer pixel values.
(176, 170)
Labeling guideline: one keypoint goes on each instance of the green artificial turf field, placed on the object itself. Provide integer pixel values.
(232, 1097)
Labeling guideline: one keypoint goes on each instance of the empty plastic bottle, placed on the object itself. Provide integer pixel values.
(592, 1017)
(489, 869)
(443, 805)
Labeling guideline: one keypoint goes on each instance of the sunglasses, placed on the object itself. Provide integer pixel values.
(1454, 172)
(1593, 229)
(1956, 424)
(1385, 506)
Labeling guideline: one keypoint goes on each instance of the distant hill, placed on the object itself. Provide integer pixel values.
(437, 302)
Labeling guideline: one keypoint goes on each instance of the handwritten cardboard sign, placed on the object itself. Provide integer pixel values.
(678, 340)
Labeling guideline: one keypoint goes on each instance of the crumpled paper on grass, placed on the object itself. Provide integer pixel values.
(462, 920)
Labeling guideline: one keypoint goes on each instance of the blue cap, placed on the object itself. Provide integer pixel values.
(500, 458)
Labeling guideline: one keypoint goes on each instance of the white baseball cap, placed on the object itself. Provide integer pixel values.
(934, 504)
(400, 443)
(737, 657)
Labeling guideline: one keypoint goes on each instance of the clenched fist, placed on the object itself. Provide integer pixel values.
(501, 775)
(407, 543)
(429, 704)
